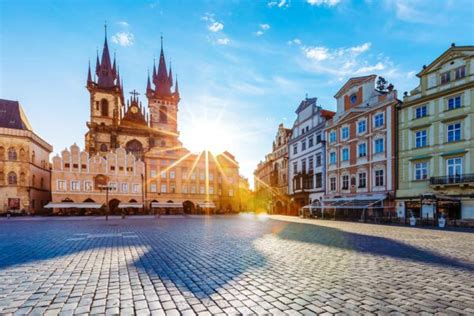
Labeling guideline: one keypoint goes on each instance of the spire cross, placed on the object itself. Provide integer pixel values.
(134, 93)
(105, 28)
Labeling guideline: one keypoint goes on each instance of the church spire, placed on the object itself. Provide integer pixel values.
(106, 74)
(162, 83)
(176, 87)
(89, 75)
(170, 76)
(148, 83)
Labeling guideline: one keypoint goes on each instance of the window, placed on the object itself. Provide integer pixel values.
(454, 166)
(104, 107)
(193, 189)
(163, 188)
(379, 148)
(345, 182)
(332, 137)
(421, 111)
(318, 160)
(163, 174)
(454, 132)
(184, 173)
(61, 185)
(211, 176)
(193, 175)
(202, 190)
(345, 154)
(454, 102)
(353, 98)
(362, 180)
(103, 148)
(295, 149)
(124, 188)
(310, 142)
(173, 188)
(445, 77)
(12, 180)
(378, 178)
(319, 180)
(345, 133)
(211, 190)
(184, 189)
(310, 164)
(332, 182)
(152, 187)
(460, 72)
(361, 126)
(318, 138)
(378, 120)
(113, 186)
(303, 165)
(231, 192)
(332, 158)
(295, 168)
(362, 150)
(88, 186)
(303, 144)
(153, 173)
(135, 188)
(12, 154)
(421, 171)
(75, 186)
(202, 175)
(420, 139)
(172, 174)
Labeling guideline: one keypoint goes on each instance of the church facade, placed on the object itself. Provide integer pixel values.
(174, 177)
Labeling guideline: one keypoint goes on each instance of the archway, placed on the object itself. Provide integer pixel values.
(135, 148)
(189, 207)
(279, 207)
(113, 207)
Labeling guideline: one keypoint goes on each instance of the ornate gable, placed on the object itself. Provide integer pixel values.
(454, 52)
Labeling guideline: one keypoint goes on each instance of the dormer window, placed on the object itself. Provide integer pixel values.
(445, 77)
(353, 99)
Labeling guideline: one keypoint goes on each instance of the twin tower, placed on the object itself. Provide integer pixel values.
(115, 121)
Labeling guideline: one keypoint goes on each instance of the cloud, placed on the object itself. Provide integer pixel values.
(216, 27)
(263, 29)
(329, 3)
(123, 23)
(123, 38)
(344, 62)
(223, 41)
(279, 4)
(295, 41)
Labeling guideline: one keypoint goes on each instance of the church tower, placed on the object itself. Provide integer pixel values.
(162, 101)
(106, 102)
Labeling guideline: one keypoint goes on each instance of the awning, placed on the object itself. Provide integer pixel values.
(167, 204)
(357, 202)
(207, 205)
(130, 205)
(73, 205)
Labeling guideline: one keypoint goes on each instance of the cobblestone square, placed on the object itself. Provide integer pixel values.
(231, 265)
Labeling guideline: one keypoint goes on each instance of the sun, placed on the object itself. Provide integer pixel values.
(202, 133)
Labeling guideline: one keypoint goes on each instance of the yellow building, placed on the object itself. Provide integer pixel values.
(24, 163)
(436, 140)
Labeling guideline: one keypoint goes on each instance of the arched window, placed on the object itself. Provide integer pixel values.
(104, 107)
(2, 178)
(163, 114)
(135, 147)
(42, 183)
(12, 178)
(2, 153)
(12, 154)
(22, 179)
(33, 180)
(103, 148)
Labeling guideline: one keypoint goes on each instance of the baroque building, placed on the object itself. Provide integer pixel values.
(436, 140)
(307, 155)
(361, 151)
(24, 162)
(175, 179)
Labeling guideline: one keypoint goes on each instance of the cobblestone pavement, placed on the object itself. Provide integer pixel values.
(231, 265)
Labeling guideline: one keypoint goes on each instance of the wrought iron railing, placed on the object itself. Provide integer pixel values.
(456, 179)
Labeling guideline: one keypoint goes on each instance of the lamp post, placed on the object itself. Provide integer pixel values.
(107, 188)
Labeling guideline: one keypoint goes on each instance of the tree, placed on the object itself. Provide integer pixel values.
(381, 84)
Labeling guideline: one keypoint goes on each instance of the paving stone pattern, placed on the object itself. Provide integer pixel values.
(231, 265)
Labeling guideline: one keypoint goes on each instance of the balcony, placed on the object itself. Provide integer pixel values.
(462, 180)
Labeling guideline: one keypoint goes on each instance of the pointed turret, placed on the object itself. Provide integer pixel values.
(106, 73)
(89, 75)
(97, 63)
(170, 77)
(176, 87)
(148, 84)
(162, 83)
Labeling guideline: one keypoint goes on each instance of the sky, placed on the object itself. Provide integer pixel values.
(243, 66)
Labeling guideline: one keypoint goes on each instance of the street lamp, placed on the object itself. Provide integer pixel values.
(107, 188)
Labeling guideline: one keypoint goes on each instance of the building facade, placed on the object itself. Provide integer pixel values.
(361, 150)
(262, 185)
(436, 140)
(77, 179)
(307, 155)
(279, 172)
(174, 177)
(24, 163)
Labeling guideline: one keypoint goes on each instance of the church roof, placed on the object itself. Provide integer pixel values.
(12, 115)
